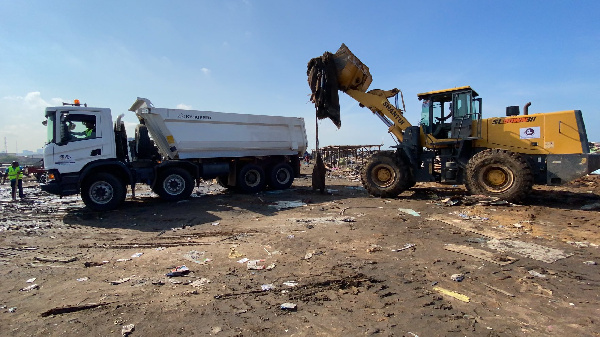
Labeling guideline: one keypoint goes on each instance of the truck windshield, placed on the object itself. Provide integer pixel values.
(50, 122)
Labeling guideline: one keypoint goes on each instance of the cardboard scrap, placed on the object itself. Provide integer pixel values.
(481, 254)
(530, 250)
(478, 228)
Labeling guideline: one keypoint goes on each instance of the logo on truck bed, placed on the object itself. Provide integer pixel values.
(513, 120)
(190, 116)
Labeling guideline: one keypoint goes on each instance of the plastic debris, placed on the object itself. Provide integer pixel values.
(31, 280)
(590, 263)
(244, 260)
(179, 271)
(31, 287)
(409, 211)
(279, 205)
(374, 248)
(12, 309)
(126, 330)
(406, 246)
(200, 283)
(123, 260)
(290, 283)
(536, 274)
(267, 287)
(289, 306)
(82, 279)
(255, 265)
(137, 255)
(457, 277)
(123, 280)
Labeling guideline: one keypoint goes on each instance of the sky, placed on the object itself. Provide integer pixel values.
(250, 56)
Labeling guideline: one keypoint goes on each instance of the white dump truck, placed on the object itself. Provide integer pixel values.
(89, 154)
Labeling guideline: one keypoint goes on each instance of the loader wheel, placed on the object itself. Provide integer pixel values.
(281, 176)
(103, 192)
(499, 173)
(251, 179)
(174, 184)
(386, 175)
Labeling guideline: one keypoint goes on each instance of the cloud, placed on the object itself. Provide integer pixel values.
(206, 71)
(21, 120)
(184, 106)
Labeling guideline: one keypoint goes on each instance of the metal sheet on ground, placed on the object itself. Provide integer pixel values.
(480, 254)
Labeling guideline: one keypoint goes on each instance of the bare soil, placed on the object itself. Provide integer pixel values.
(343, 263)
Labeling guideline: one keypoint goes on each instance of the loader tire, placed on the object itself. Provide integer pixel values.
(386, 175)
(499, 173)
(103, 192)
(174, 184)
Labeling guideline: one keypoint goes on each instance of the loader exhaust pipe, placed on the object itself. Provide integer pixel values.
(526, 108)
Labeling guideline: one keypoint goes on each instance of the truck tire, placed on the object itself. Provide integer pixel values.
(251, 179)
(103, 192)
(385, 175)
(499, 173)
(174, 184)
(281, 176)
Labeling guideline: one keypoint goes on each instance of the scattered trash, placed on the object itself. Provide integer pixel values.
(55, 259)
(255, 265)
(12, 309)
(82, 279)
(123, 280)
(244, 260)
(452, 201)
(31, 287)
(409, 211)
(590, 263)
(215, 223)
(233, 254)
(158, 249)
(89, 264)
(406, 246)
(279, 205)
(137, 255)
(290, 283)
(453, 294)
(289, 306)
(196, 257)
(582, 244)
(179, 271)
(374, 248)
(291, 236)
(530, 250)
(126, 330)
(271, 266)
(267, 287)
(536, 274)
(308, 255)
(123, 260)
(457, 277)
(31, 280)
(200, 283)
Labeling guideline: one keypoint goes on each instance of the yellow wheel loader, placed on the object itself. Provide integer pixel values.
(500, 156)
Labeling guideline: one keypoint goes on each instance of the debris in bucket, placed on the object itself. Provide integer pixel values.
(178, 271)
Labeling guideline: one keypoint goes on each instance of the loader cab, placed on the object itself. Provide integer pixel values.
(451, 114)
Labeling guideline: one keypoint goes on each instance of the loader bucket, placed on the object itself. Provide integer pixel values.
(351, 72)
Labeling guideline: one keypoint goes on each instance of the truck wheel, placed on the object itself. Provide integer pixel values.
(499, 173)
(174, 184)
(386, 175)
(251, 179)
(281, 176)
(102, 192)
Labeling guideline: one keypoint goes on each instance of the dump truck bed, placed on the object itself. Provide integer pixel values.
(188, 134)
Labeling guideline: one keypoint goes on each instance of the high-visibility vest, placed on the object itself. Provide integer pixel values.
(88, 132)
(15, 173)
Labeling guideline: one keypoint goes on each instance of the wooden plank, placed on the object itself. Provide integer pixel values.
(481, 254)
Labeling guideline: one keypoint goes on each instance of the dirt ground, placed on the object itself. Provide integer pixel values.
(339, 264)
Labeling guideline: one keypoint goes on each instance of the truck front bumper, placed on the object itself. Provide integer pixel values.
(61, 184)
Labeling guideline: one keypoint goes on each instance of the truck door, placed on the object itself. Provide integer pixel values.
(79, 140)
